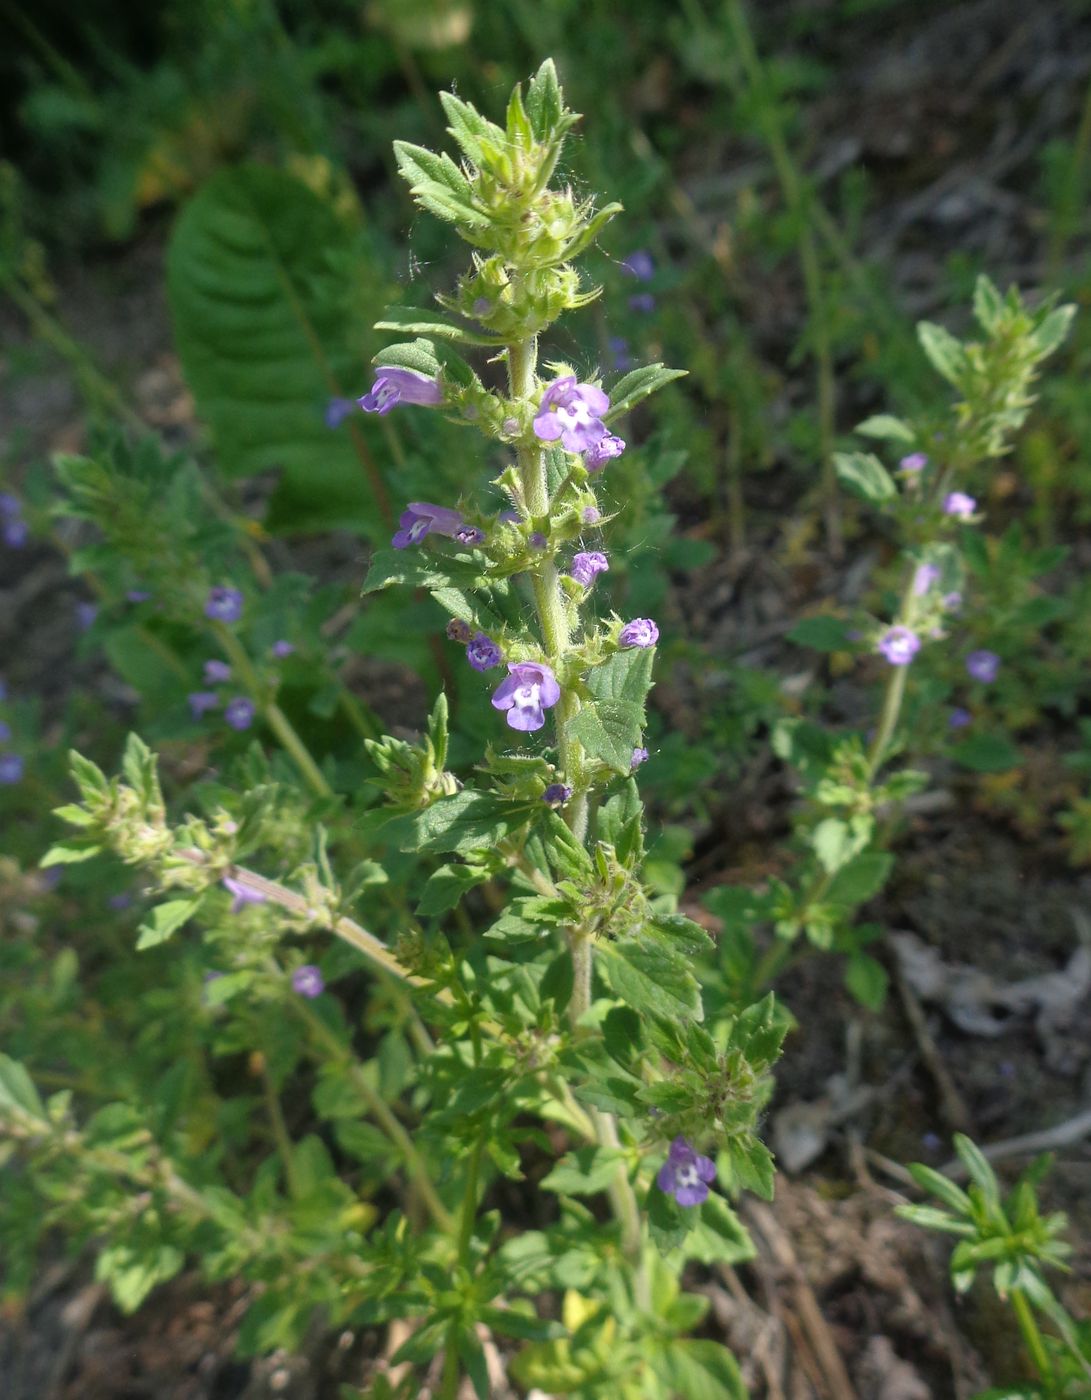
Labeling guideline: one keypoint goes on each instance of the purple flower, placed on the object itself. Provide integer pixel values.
(591, 515)
(538, 540)
(983, 666)
(243, 894)
(923, 579)
(5, 731)
(11, 768)
(639, 756)
(686, 1173)
(483, 654)
(603, 451)
(239, 713)
(15, 533)
(959, 718)
(394, 385)
(282, 649)
(639, 264)
(931, 1142)
(337, 410)
(899, 645)
(422, 518)
(952, 601)
(119, 901)
(138, 595)
(619, 353)
(572, 412)
(509, 517)
(202, 700)
(223, 604)
(85, 615)
(641, 632)
(915, 462)
(216, 672)
(459, 631)
(307, 981)
(530, 689)
(958, 504)
(469, 534)
(556, 794)
(585, 566)
(11, 508)
(643, 302)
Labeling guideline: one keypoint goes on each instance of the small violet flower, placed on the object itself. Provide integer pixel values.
(556, 794)
(952, 601)
(639, 264)
(216, 672)
(686, 1173)
(15, 533)
(243, 894)
(307, 981)
(643, 302)
(530, 689)
(421, 518)
(959, 505)
(202, 700)
(959, 718)
(620, 357)
(5, 731)
(639, 756)
(394, 385)
(137, 595)
(469, 534)
(337, 410)
(11, 768)
(572, 412)
(915, 462)
(85, 615)
(239, 713)
(586, 566)
(983, 666)
(899, 645)
(223, 604)
(603, 451)
(483, 654)
(923, 579)
(11, 508)
(282, 649)
(591, 515)
(641, 632)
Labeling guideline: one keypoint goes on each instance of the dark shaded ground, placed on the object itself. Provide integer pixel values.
(948, 115)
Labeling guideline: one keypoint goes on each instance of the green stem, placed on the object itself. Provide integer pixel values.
(1033, 1338)
(274, 716)
(798, 202)
(380, 1111)
(280, 1133)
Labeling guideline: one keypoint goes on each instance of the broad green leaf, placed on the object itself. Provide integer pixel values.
(861, 879)
(254, 268)
(987, 753)
(1050, 335)
(585, 1172)
(164, 920)
(887, 427)
(545, 105)
(611, 727)
(719, 1236)
(407, 320)
(867, 980)
(944, 352)
(72, 852)
(17, 1088)
(637, 385)
(696, 1368)
(650, 977)
(464, 822)
(835, 841)
(823, 633)
(865, 475)
(446, 886)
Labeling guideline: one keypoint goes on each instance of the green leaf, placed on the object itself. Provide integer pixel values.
(164, 920)
(945, 354)
(752, 1167)
(867, 980)
(637, 385)
(887, 427)
(650, 977)
(668, 1223)
(987, 753)
(253, 270)
(446, 886)
(478, 137)
(1053, 331)
(611, 727)
(17, 1088)
(696, 1368)
(409, 321)
(865, 476)
(466, 821)
(861, 879)
(836, 842)
(823, 633)
(719, 1236)
(545, 105)
(988, 303)
(71, 852)
(585, 1172)
(977, 1164)
(928, 1179)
